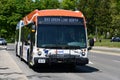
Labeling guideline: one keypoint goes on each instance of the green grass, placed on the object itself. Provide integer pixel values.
(107, 43)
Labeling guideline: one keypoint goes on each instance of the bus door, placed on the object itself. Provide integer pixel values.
(26, 47)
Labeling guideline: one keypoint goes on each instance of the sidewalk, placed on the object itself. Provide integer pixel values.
(9, 69)
(106, 49)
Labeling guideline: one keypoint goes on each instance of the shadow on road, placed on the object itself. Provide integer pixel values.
(64, 69)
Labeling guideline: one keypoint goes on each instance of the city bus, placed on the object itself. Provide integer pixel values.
(52, 36)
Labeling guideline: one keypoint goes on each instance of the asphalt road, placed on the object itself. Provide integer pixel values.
(101, 67)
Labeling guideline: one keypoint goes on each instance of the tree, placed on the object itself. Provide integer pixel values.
(7, 9)
(68, 4)
(102, 16)
(97, 14)
(49, 4)
(88, 8)
(115, 14)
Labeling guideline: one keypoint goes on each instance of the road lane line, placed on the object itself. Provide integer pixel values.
(105, 52)
(90, 62)
(118, 61)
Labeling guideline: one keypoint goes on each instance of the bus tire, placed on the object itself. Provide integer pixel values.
(28, 59)
(21, 53)
(83, 64)
(16, 53)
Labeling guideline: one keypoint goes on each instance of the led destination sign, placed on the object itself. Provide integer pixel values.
(60, 20)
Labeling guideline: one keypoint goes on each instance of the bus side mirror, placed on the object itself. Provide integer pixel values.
(91, 44)
(89, 48)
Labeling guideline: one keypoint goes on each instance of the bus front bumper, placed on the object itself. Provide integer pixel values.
(76, 61)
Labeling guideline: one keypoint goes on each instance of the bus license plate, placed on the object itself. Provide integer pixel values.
(41, 60)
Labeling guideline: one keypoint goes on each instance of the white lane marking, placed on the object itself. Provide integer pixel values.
(90, 62)
(118, 61)
(3, 46)
(104, 52)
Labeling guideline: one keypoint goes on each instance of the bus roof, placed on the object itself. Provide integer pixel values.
(51, 12)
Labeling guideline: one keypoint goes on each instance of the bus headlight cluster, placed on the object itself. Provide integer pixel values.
(83, 52)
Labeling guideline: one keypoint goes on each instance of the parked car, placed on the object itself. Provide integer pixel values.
(3, 41)
(115, 39)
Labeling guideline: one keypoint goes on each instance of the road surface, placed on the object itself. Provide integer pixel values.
(101, 67)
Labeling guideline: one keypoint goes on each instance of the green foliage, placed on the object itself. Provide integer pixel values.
(49, 4)
(68, 4)
(2, 31)
(107, 43)
(12, 11)
(102, 16)
(115, 10)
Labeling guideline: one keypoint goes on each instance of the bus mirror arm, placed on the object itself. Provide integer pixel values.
(89, 48)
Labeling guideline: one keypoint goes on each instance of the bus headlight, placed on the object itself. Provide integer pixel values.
(39, 53)
(83, 52)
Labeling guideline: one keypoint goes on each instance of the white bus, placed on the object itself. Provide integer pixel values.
(52, 36)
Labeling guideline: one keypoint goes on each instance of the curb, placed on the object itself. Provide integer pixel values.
(9, 70)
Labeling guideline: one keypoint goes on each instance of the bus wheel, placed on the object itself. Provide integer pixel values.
(16, 52)
(28, 59)
(21, 54)
(83, 64)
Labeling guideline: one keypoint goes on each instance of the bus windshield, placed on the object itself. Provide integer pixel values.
(56, 36)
